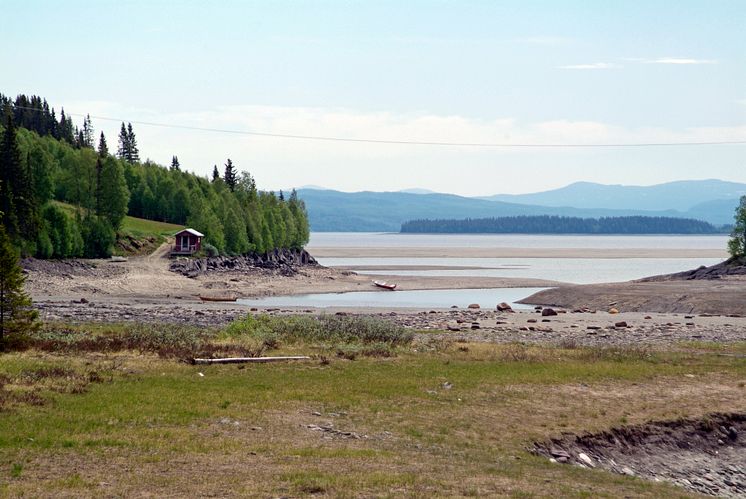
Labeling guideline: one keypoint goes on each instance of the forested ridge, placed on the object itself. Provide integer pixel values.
(550, 224)
(45, 159)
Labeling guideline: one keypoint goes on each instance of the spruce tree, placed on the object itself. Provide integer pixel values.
(230, 175)
(65, 128)
(16, 312)
(103, 150)
(215, 173)
(175, 164)
(11, 174)
(123, 150)
(134, 153)
(88, 132)
(26, 206)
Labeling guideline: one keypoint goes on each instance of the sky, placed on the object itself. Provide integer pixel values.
(497, 72)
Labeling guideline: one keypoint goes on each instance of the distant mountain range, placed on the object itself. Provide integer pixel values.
(682, 195)
(713, 201)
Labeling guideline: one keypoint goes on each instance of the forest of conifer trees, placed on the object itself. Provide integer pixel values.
(44, 159)
(550, 224)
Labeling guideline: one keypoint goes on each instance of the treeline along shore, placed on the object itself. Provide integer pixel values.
(549, 224)
(64, 193)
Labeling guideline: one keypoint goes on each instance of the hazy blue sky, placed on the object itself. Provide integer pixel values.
(492, 71)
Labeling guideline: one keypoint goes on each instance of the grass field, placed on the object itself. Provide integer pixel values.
(143, 227)
(438, 419)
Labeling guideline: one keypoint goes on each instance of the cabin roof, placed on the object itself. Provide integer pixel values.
(190, 231)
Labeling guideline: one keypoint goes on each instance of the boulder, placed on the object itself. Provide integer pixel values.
(613, 311)
(473, 305)
(620, 324)
(548, 312)
(504, 307)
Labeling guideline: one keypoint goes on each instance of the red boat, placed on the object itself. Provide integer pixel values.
(385, 285)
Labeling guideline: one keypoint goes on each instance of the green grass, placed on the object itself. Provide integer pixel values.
(143, 227)
(177, 428)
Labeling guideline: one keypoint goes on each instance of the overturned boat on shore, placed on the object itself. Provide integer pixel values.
(385, 285)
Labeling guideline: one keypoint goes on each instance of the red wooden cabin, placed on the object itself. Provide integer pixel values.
(188, 242)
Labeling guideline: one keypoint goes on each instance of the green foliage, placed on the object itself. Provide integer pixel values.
(373, 333)
(53, 160)
(230, 175)
(11, 177)
(114, 193)
(737, 242)
(164, 340)
(549, 224)
(98, 237)
(62, 232)
(204, 219)
(127, 150)
(17, 315)
(210, 250)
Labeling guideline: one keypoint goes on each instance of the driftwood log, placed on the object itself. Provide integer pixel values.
(242, 360)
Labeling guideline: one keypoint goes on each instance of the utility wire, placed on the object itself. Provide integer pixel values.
(402, 142)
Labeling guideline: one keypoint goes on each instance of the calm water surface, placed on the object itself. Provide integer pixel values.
(437, 298)
(573, 270)
(389, 239)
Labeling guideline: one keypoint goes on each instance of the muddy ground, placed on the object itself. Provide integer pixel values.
(718, 289)
(707, 455)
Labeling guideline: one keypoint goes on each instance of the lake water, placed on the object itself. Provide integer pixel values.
(391, 239)
(421, 299)
(572, 270)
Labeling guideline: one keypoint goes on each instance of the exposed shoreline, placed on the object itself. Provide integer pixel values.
(148, 279)
(144, 290)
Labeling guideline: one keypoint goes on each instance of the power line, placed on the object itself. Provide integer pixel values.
(403, 142)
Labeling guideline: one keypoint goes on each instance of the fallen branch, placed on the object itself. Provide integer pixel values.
(242, 360)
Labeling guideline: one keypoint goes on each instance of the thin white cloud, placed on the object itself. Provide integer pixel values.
(671, 60)
(278, 163)
(594, 65)
(680, 60)
(741, 101)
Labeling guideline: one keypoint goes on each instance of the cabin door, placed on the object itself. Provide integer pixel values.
(184, 243)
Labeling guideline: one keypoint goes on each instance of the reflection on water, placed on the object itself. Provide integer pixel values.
(434, 298)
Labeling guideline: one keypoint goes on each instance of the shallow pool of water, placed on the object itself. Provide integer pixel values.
(432, 298)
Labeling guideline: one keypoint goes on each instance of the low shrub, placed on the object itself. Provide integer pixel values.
(377, 335)
(164, 340)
